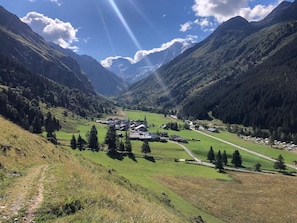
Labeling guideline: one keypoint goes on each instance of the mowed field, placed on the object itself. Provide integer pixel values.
(194, 189)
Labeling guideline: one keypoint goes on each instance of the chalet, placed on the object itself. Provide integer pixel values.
(212, 129)
(142, 128)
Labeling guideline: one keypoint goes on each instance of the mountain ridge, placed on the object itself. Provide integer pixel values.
(104, 81)
(135, 71)
(228, 54)
(20, 42)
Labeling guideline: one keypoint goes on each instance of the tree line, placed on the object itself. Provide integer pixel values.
(112, 140)
(220, 160)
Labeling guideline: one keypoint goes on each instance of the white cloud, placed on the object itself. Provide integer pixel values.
(109, 60)
(210, 13)
(186, 26)
(54, 30)
(139, 55)
(204, 23)
(58, 2)
(223, 10)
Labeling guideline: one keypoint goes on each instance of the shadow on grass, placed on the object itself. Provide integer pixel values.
(132, 157)
(115, 155)
(150, 158)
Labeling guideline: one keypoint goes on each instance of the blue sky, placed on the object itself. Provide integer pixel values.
(130, 28)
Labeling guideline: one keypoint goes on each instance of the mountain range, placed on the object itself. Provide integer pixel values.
(19, 42)
(133, 71)
(241, 55)
(104, 81)
(243, 73)
(23, 45)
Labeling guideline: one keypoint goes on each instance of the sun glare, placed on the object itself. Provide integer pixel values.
(134, 39)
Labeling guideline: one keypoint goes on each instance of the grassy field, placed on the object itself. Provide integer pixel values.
(139, 189)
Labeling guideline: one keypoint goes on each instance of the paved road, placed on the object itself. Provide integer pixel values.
(241, 148)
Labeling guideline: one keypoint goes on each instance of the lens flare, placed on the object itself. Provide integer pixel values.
(124, 23)
(136, 42)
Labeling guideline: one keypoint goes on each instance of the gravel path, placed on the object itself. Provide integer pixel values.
(25, 193)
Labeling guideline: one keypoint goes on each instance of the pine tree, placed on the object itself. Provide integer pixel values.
(280, 163)
(49, 123)
(211, 155)
(219, 162)
(145, 148)
(128, 145)
(224, 158)
(122, 146)
(36, 124)
(93, 139)
(73, 142)
(258, 167)
(111, 139)
(236, 159)
(80, 144)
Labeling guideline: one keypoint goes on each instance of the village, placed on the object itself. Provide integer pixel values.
(139, 130)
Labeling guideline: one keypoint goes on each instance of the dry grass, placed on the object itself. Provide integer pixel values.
(70, 181)
(25, 149)
(246, 198)
(104, 197)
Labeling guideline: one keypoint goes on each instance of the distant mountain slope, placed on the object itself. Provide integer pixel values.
(104, 81)
(20, 42)
(133, 72)
(22, 92)
(202, 78)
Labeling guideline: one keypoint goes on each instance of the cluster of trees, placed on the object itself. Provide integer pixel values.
(114, 144)
(18, 109)
(220, 159)
(173, 126)
(24, 112)
(92, 143)
(111, 140)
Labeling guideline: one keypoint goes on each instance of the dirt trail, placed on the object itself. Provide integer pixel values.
(26, 193)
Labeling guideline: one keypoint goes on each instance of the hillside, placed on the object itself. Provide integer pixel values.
(104, 81)
(228, 55)
(18, 41)
(35, 173)
(22, 94)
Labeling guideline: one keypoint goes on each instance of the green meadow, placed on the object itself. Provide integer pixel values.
(160, 164)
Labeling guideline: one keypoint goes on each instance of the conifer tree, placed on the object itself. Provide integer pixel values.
(145, 148)
(224, 158)
(111, 139)
(280, 164)
(219, 162)
(93, 139)
(211, 155)
(36, 124)
(73, 142)
(236, 159)
(80, 143)
(122, 146)
(128, 145)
